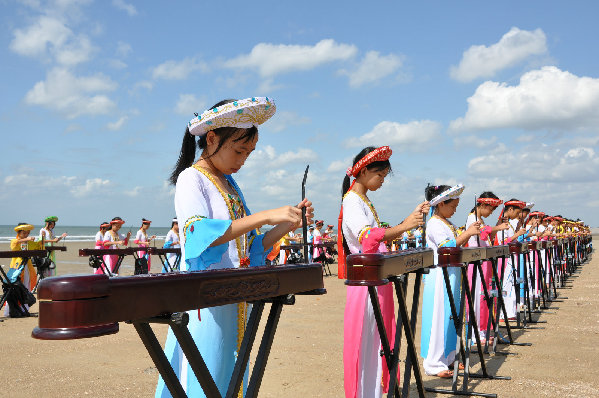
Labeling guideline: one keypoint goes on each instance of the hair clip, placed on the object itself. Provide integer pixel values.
(196, 114)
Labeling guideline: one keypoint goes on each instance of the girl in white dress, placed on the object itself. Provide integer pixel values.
(217, 230)
(486, 204)
(47, 237)
(439, 337)
(112, 240)
(143, 240)
(360, 231)
(171, 241)
(100, 244)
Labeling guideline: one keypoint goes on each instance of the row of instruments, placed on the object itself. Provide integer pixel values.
(81, 306)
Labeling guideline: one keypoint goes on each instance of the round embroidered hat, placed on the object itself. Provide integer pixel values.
(529, 205)
(490, 201)
(243, 113)
(51, 219)
(378, 155)
(451, 193)
(24, 227)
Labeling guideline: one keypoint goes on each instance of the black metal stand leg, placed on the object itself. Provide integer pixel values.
(178, 325)
(411, 357)
(503, 309)
(400, 287)
(458, 325)
(159, 358)
(515, 276)
(243, 356)
(488, 303)
(474, 327)
(265, 346)
(374, 300)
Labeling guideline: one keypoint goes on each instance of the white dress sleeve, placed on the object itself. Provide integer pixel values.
(356, 217)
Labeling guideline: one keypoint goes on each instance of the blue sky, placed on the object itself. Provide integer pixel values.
(95, 97)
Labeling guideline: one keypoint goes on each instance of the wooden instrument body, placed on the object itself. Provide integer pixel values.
(496, 251)
(458, 256)
(518, 248)
(535, 245)
(78, 306)
(23, 253)
(375, 268)
(164, 250)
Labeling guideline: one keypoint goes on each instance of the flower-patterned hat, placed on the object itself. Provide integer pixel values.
(451, 193)
(241, 114)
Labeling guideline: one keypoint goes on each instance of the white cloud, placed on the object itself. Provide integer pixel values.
(273, 59)
(284, 119)
(372, 68)
(123, 49)
(128, 8)
(145, 84)
(339, 165)
(77, 187)
(267, 158)
(187, 104)
(49, 36)
(117, 64)
(514, 47)
(548, 98)
(33, 40)
(412, 135)
(133, 192)
(117, 125)
(91, 186)
(71, 95)
(178, 70)
(475, 141)
(542, 164)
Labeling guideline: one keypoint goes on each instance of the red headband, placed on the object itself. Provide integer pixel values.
(536, 214)
(105, 225)
(517, 203)
(146, 222)
(117, 222)
(490, 201)
(378, 155)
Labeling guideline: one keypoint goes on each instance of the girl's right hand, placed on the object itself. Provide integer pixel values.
(416, 219)
(503, 226)
(285, 214)
(473, 229)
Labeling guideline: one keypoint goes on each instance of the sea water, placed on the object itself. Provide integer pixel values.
(79, 233)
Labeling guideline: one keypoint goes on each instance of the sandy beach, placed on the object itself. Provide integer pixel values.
(306, 358)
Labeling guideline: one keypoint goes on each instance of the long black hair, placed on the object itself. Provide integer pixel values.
(374, 166)
(188, 146)
(484, 195)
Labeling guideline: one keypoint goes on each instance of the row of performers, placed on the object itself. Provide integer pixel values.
(362, 232)
(218, 231)
(109, 237)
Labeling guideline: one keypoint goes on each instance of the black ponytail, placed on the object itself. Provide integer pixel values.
(186, 156)
(376, 166)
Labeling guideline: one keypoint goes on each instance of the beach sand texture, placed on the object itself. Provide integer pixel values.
(306, 357)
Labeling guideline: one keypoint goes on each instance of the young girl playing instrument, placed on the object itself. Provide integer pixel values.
(217, 230)
(112, 240)
(360, 231)
(100, 242)
(143, 240)
(510, 214)
(47, 238)
(486, 204)
(438, 338)
(172, 241)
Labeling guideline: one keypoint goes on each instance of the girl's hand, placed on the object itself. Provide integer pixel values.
(153, 237)
(424, 207)
(416, 219)
(285, 214)
(128, 234)
(309, 214)
(503, 226)
(473, 229)
(30, 238)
